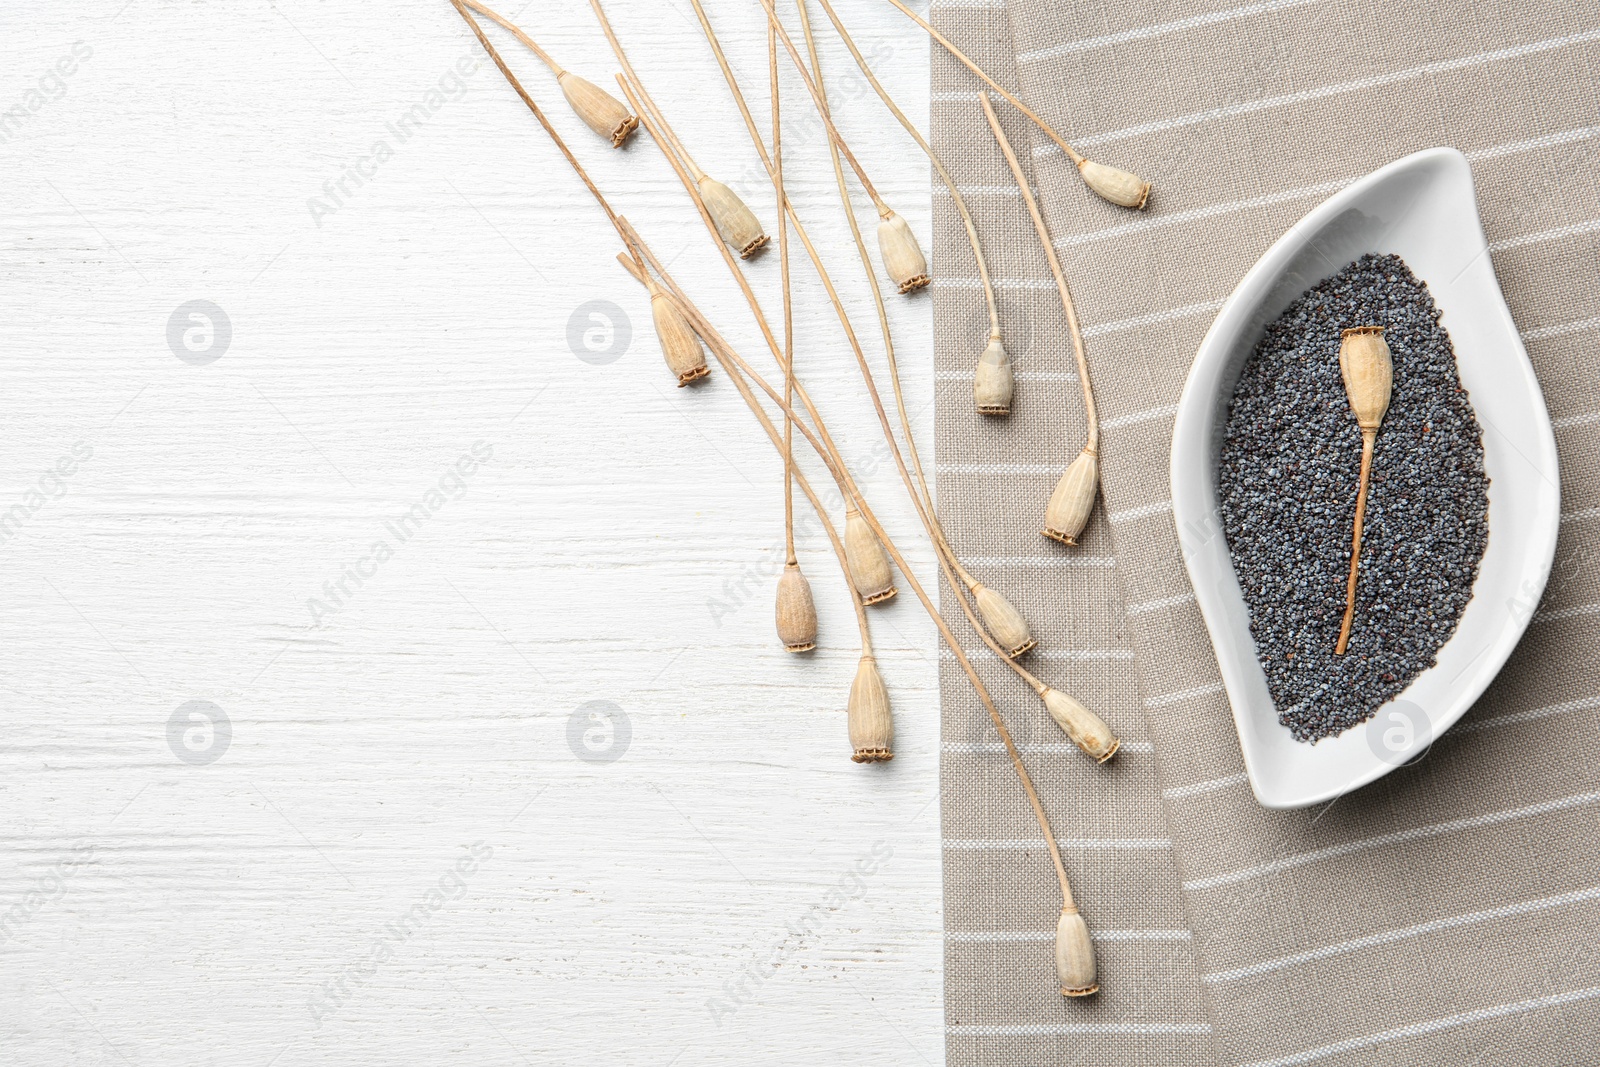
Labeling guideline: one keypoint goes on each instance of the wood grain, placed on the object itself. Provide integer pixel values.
(399, 858)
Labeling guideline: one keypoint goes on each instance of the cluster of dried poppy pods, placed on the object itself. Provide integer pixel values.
(868, 557)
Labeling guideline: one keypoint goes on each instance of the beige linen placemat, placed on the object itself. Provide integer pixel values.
(1443, 915)
(1003, 1004)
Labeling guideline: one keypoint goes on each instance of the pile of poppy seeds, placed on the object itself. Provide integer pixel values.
(1287, 483)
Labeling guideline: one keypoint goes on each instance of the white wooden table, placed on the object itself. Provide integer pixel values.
(376, 840)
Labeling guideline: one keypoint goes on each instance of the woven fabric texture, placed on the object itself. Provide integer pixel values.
(1438, 916)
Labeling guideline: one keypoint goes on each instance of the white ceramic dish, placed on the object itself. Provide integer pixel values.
(1421, 208)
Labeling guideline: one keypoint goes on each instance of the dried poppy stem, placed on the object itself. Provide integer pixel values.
(494, 54)
(1073, 500)
(1109, 183)
(1368, 372)
(1074, 951)
(1072, 945)
(871, 725)
(635, 266)
(795, 611)
(993, 381)
(1001, 619)
(897, 245)
(1082, 726)
(870, 568)
(735, 366)
(1089, 732)
(735, 222)
(679, 346)
(599, 110)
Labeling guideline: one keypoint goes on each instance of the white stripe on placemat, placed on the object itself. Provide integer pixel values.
(1507, 911)
(1022, 845)
(1212, 786)
(1575, 420)
(1146, 607)
(1183, 694)
(1286, 195)
(1152, 319)
(1443, 66)
(1064, 655)
(1001, 468)
(1021, 376)
(1549, 140)
(972, 281)
(1432, 1026)
(986, 190)
(1064, 1029)
(1140, 33)
(1572, 230)
(1041, 561)
(1566, 613)
(1178, 218)
(1515, 717)
(1540, 333)
(1149, 415)
(1001, 937)
(1040, 748)
(1142, 512)
(1474, 822)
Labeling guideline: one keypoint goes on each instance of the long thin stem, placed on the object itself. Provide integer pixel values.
(733, 362)
(938, 165)
(1055, 269)
(788, 299)
(627, 69)
(494, 54)
(728, 358)
(805, 239)
(653, 120)
(822, 106)
(528, 42)
(936, 527)
(1369, 438)
(942, 551)
(634, 266)
(1071, 152)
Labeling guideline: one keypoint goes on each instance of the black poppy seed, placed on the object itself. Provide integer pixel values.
(1287, 486)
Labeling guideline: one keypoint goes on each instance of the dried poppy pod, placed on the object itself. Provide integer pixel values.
(736, 223)
(992, 380)
(1073, 500)
(796, 611)
(902, 256)
(599, 110)
(1003, 621)
(871, 726)
(1368, 371)
(680, 345)
(865, 558)
(1086, 729)
(1118, 186)
(1075, 955)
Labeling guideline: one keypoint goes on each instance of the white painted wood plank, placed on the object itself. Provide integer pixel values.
(618, 546)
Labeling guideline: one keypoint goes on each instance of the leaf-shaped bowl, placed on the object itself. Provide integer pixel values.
(1423, 209)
